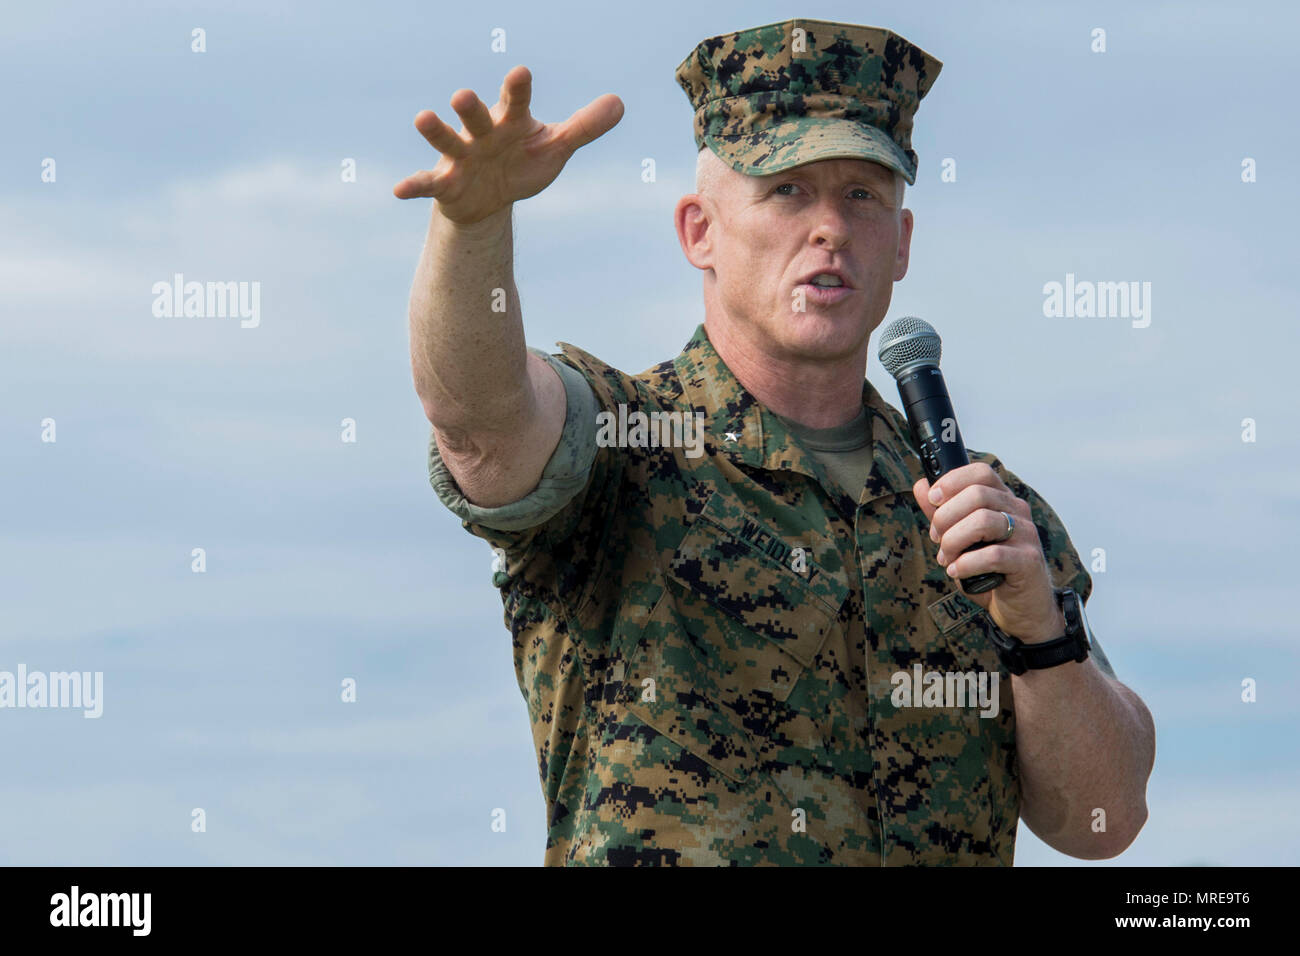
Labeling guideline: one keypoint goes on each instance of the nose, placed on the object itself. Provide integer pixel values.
(830, 226)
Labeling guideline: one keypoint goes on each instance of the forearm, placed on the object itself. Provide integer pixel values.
(1084, 742)
(469, 362)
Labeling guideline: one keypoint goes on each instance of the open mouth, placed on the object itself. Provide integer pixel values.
(823, 294)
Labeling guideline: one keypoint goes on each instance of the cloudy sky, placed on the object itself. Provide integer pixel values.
(328, 560)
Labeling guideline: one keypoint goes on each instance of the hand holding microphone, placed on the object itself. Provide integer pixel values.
(909, 350)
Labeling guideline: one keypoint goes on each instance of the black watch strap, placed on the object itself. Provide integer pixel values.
(1018, 657)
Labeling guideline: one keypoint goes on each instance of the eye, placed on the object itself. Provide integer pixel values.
(866, 193)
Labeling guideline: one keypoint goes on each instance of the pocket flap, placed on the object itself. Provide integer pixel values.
(732, 561)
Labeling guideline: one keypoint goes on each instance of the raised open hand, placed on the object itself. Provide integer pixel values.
(502, 155)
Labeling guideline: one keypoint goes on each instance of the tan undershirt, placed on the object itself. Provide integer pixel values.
(844, 450)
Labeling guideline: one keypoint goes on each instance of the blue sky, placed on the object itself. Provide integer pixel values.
(328, 560)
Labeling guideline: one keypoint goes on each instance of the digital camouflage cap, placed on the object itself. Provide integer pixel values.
(776, 96)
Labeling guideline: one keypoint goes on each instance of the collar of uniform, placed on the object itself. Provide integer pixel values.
(748, 432)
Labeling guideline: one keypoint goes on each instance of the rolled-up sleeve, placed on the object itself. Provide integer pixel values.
(564, 476)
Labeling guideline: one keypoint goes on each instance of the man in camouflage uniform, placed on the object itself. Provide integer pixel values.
(711, 601)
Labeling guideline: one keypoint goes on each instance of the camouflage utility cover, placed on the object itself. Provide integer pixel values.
(772, 97)
(689, 690)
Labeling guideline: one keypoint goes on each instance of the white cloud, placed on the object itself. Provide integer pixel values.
(419, 735)
(79, 277)
(583, 198)
(273, 184)
(1142, 450)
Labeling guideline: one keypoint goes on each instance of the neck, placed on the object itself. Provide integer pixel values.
(818, 393)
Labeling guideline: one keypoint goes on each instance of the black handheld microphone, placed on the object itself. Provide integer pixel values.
(909, 350)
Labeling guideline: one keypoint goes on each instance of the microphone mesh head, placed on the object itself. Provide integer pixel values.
(906, 343)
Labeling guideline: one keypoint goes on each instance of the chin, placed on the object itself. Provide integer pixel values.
(822, 334)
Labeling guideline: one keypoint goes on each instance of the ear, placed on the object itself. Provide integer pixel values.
(904, 244)
(691, 216)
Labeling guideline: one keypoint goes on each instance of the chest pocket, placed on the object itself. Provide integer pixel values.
(734, 631)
